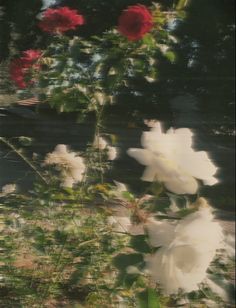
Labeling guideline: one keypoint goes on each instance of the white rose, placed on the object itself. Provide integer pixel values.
(187, 249)
(70, 165)
(169, 158)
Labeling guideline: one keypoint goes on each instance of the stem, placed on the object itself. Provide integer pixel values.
(97, 134)
(25, 159)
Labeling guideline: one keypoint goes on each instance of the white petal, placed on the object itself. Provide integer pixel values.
(183, 185)
(178, 267)
(61, 148)
(197, 164)
(144, 157)
(183, 260)
(112, 153)
(99, 143)
(120, 187)
(68, 182)
(211, 181)
(198, 226)
(149, 174)
(160, 232)
(184, 137)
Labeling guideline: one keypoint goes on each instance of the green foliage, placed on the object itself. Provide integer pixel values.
(56, 247)
(149, 299)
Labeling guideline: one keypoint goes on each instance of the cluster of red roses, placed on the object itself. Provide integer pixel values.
(20, 67)
(133, 23)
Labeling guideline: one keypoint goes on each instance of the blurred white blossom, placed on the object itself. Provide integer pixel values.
(151, 123)
(99, 143)
(120, 187)
(187, 249)
(111, 152)
(8, 189)
(48, 3)
(70, 165)
(170, 158)
(183, 302)
(160, 232)
(149, 79)
(100, 98)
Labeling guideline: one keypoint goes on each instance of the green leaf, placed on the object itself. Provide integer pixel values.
(156, 188)
(181, 4)
(171, 56)
(149, 41)
(149, 299)
(127, 195)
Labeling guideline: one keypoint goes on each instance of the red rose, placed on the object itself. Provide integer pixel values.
(16, 73)
(60, 20)
(31, 55)
(134, 22)
(19, 68)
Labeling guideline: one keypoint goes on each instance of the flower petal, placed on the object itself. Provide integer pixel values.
(144, 157)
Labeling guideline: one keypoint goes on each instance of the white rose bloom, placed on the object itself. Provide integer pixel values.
(169, 158)
(160, 232)
(111, 153)
(186, 253)
(99, 143)
(70, 165)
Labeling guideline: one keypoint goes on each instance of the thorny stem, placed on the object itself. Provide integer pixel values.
(24, 158)
(97, 135)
